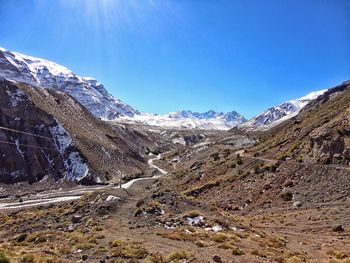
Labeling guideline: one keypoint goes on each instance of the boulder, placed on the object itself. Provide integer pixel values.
(217, 258)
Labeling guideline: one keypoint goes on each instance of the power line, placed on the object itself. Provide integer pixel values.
(27, 133)
(26, 145)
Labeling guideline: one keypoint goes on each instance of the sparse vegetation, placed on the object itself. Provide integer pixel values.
(179, 255)
(125, 249)
(192, 213)
(239, 160)
(237, 252)
(219, 237)
(226, 153)
(156, 259)
(215, 156)
(287, 196)
(29, 258)
(271, 167)
(4, 258)
(200, 244)
(283, 157)
(151, 207)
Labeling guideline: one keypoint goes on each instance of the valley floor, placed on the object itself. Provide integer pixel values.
(142, 224)
(194, 206)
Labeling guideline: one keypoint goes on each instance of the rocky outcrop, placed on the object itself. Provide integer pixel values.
(331, 143)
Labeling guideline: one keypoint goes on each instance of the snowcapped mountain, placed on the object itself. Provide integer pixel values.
(40, 72)
(92, 94)
(282, 112)
(186, 119)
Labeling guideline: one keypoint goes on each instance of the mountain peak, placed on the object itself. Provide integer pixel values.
(283, 111)
(46, 74)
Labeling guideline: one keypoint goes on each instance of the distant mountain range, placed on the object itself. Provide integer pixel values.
(93, 95)
(186, 119)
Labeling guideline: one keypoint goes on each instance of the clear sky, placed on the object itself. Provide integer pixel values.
(161, 56)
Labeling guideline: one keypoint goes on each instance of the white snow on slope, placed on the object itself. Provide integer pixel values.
(282, 112)
(61, 136)
(41, 72)
(75, 167)
(15, 97)
(185, 119)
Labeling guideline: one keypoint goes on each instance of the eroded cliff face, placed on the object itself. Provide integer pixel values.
(331, 143)
(32, 143)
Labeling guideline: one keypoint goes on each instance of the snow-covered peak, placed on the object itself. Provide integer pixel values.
(232, 116)
(283, 111)
(43, 65)
(46, 74)
(303, 101)
(186, 119)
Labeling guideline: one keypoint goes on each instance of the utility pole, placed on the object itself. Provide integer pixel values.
(121, 174)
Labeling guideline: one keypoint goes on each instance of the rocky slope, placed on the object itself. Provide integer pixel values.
(319, 133)
(186, 119)
(79, 146)
(46, 74)
(43, 148)
(304, 160)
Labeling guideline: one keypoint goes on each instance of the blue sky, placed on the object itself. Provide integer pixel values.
(161, 56)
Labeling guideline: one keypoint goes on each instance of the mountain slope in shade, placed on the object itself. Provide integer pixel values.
(31, 158)
(43, 73)
(186, 119)
(79, 146)
(283, 111)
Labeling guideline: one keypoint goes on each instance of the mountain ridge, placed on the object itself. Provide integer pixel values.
(46, 74)
(187, 119)
(281, 112)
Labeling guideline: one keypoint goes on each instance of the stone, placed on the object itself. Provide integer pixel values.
(267, 186)
(217, 258)
(338, 228)
(70, 228)
(297, 204)
(21, 237)
(76, 219)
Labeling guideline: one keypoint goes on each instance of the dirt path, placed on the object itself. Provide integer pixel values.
(339, 167)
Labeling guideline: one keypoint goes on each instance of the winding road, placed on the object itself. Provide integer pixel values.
(58, 196)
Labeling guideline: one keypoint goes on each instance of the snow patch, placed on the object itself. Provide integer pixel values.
(194, 221)
(112, 198)
(61, 136)
(15, 97)
(75, 166)
(18, 148)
